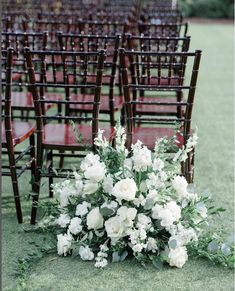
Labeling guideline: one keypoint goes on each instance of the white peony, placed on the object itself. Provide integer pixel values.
(127, 215)
(96, 172)
(125, 190)
(114, 227)
(86, 253)
(90, 187)
(178, 257)
(63, 220)
(94, 219)
(82, 209)
(75, 225)
(64, 243)
(180, 185)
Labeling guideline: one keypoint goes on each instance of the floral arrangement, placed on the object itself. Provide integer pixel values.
(123, 203)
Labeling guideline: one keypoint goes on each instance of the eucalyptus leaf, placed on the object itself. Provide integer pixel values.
(225, 250)
(123, 255)
(191, 188)
(99, 234)
(105, 211)
(84, 237)
(157, 263)
(173, 243)
(149, 204)
(90, 235)
(115, 257)
(213, 246)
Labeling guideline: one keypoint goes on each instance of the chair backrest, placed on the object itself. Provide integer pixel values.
(161, 16)
(157, 44)
(70, 71)
(158, 30)
(159, 67)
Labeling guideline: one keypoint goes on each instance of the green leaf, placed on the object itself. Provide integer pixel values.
(123, 255)
(157, 263)
(105, 211)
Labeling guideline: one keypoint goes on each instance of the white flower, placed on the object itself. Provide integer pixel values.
(180, 185)
(64, 243)
(158, 164)
(82, 209)
(183, 236)
(63, 220)
(178, 257)
(120, 139)
(94, 219)
(138, 248)
(141, 157)
(143, 221)
(78, 182)
(65, 190)
(152, 245)
(96, 172)
(168, 214)
(175, 209)
(139, 200)
(108, 184)
(101, 262)
(75, 225)
(90, 187)
(89, 160)
(86, 253)
(127, 215)
(100, 140)
(114, 227)
(202, 210)
(125, 189)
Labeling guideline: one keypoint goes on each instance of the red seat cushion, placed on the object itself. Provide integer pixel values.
(20, 131)
(104, 104)
(62, 135)
(149, 135)
(163, 81)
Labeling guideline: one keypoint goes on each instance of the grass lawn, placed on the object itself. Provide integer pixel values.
(214, 117)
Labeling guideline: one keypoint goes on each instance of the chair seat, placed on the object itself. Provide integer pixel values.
(20, 131)
(59, 136)
(24, 100)
(104, 103)
(152, 109)
(148, 135)
(162, 81)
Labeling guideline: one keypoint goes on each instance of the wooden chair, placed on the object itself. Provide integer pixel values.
(14, 133)
(158, 44)
(159, 65)
(110, 101)
(54, 132)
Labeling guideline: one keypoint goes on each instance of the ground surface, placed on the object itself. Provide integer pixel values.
(213, 115)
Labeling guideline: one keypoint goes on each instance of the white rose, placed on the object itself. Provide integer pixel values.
(178, 257)
(82, 209)
(127, 215)
(114, 227)
(75, 225)
(94, 219)
(64, 243)
(96, 172)
(90, 188)
(63, 220)
(180, 185)
(125, 189)
(86, 253)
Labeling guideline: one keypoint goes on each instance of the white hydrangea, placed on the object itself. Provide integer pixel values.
(152, 245)
(63, 220)
(178, 257)
(82, 209)
(86, 253)
(142, 158)
(138, 248)
(75, 225)
(95, 219)
(127, 215)
(64, 243)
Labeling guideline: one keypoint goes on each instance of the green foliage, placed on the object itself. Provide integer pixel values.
(208, 8)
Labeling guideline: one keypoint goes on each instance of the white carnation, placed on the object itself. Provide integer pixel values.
(64, 243)
(63, 220)
(178, 257)
(82, 209)
(75, 225)
(125, 189)
(94, 219)
(86, 253)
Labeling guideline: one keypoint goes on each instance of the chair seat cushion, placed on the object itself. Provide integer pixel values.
(104, 103)
(148, 135)
(163, 81)
(62, 135)
(20, 131)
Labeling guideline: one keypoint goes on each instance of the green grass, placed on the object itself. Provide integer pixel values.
(213, 115)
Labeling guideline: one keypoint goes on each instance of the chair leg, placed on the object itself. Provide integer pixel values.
(33, 163)
(50, 159)
(14, 180)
